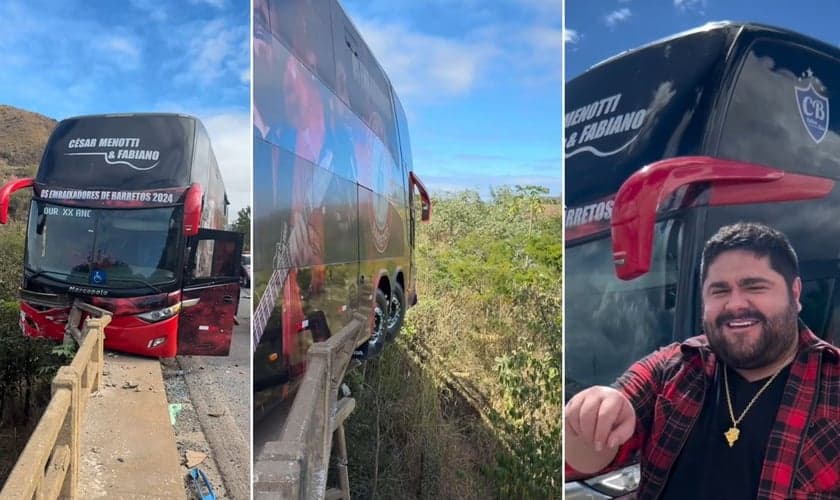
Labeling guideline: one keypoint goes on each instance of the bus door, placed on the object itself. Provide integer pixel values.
(210, 296)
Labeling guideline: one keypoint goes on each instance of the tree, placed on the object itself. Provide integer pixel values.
(243, 225)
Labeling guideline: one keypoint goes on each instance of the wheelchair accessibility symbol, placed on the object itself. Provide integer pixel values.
(97, 277)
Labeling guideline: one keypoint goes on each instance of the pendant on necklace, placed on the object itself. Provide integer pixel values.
(732, 435)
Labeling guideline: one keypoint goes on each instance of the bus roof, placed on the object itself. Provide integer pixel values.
(726, 89)
(729, 26)
(126, 115)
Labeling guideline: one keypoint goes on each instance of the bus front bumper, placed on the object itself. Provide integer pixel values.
(127, 334)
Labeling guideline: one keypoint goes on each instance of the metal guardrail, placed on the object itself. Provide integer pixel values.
(296, 466)
(48, 468)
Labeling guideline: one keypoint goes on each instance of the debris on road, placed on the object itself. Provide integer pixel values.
(194, 458)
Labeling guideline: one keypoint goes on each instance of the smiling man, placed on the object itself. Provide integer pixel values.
(750, 409)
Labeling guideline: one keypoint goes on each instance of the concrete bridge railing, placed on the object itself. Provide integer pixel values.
(48, 468)
(296, 466)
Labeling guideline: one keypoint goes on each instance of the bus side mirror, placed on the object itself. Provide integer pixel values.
(425, 201)
(732, 183)
(192, 210)
(6, 195)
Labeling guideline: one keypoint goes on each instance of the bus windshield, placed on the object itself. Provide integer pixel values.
(107, 248)
(611, 323)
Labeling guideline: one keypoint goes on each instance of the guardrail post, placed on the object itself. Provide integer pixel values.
(69, 435)
(96, 327)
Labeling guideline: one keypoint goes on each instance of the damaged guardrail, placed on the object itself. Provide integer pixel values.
(296, 466)
(48, 467)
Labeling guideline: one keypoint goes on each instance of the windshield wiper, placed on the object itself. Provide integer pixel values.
(137, 280)
(42, 272)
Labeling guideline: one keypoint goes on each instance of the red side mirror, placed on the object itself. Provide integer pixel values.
(192, 210)
(733, 182)
(426, 202)
(6, 194)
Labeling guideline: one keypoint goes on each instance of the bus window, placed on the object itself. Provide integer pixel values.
(300, 26)
(611, 323)
(788, 128)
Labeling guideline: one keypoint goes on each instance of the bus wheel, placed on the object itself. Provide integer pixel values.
(396, 311)
(373, 347)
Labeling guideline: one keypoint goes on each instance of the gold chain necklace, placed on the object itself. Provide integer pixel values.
(732, 434)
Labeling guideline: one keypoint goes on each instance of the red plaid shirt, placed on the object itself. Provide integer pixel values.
(803, 451)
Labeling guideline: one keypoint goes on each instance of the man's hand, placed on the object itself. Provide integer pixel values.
(598, 421)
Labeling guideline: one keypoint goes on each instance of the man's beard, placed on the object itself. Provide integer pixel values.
(777, 335)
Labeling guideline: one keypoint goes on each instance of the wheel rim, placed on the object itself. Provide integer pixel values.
(395, 308)
(378, 324)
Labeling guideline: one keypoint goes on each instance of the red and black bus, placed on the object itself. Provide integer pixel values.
(334, 190)
(128, 213)
(664, 145)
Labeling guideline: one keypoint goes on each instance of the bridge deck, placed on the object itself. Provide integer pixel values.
(128, 445)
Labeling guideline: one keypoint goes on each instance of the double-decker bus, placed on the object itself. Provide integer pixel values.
(334, 191)
(127, 214)
(664, 145)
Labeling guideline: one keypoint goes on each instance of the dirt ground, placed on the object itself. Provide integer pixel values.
(189, 435)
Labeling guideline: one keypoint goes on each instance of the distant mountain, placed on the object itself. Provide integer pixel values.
(23, 135)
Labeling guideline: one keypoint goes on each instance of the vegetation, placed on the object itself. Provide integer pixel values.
(27, 365)
(472, 391)
(243, 225)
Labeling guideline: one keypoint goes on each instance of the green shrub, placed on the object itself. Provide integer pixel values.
(27, 366)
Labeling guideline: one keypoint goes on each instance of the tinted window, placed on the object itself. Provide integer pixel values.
(127, 248)
(405, 141)
(637, 109)
(611, 323)
(132, 152)
(304, 27)
(780, 111)
(362, 82)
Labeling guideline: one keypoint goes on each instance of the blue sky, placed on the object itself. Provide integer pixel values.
(481, 85)
(596, 30)
(69, 58)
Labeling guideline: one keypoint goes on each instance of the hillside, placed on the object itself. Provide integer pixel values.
(23, 135)
(22, 138)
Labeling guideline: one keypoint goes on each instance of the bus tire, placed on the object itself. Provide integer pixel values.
(396, 311)
(373, 347)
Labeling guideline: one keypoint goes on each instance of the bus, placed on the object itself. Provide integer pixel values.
(334, 191)
(664, 145)
(127, 214)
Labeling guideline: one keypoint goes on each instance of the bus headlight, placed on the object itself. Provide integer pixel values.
(160, 314)
(617, 483)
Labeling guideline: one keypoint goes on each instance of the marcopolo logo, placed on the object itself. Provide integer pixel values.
(813, 109)
(117, 151)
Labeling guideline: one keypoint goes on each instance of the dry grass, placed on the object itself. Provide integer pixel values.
(23, 135)
(411, 438)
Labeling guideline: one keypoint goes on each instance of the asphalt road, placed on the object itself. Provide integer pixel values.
(220, 392)
(231, 375)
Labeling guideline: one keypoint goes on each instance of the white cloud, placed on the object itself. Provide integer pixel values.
(618, 16)
(547, 6)
(548, 40)
(213, 3)
(230, 135)
(427, 66)
(152, 8)
(686, 5)
(213, 52)
(123, 50)
(570, 36)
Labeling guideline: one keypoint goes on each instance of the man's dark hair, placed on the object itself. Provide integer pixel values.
(763, 241)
